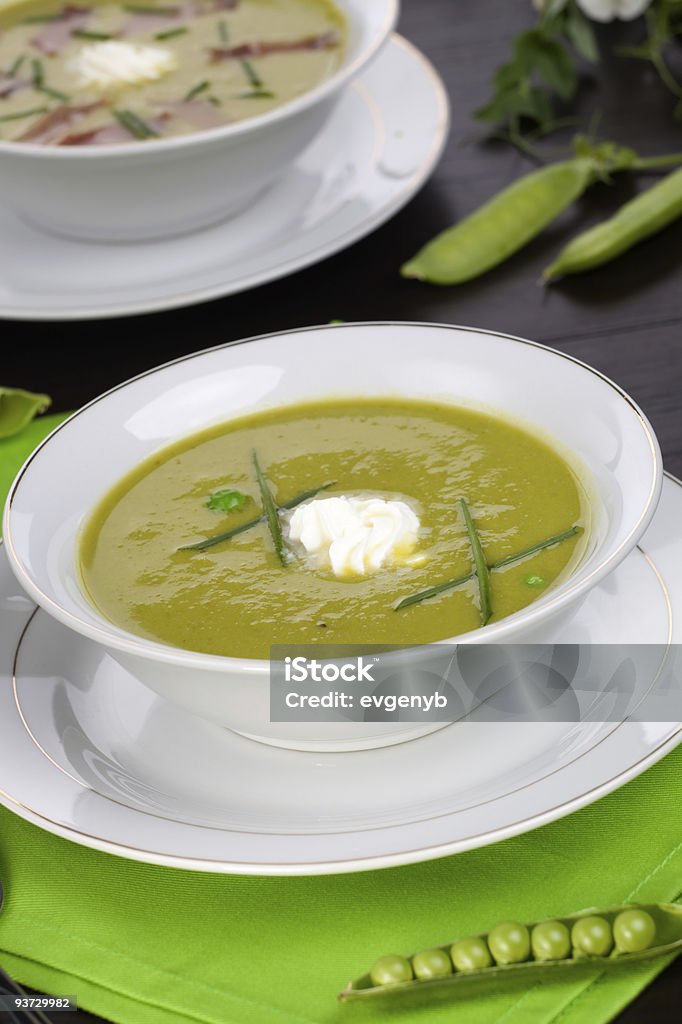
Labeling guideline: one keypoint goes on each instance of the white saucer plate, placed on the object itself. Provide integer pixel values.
(378, 148)
(88, 753)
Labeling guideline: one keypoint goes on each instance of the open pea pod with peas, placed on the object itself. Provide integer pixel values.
(604, 938)
(521, 211)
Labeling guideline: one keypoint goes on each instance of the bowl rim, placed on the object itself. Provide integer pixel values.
(341, 77)
(534, 613)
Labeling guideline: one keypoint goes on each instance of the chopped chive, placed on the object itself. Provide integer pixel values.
(171, 33)
(14, 70)
(38, 73)
(82, 33)
(256, 94)
(211, 542)
(271, 511)
(223, 32)
(306, 495)
(214, 100)
(56, 94)
(254, 78)
(196, 89)
(480, 564)
(440, 588)
(23, 113)
(149, 9)
(540, 546)
(135, 125)
(39, 19)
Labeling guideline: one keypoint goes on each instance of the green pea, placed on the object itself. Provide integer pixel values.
(592, 936)
(550, 940)
(389, 970)
(471, 955)
(509, 943)
(502, 225)
(431, 963)
(535, 581)
(643, 216)
(634, 931)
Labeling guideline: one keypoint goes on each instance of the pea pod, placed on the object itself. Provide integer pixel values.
(18, 408)
(602, 938)
(647, 213)
(502, 225)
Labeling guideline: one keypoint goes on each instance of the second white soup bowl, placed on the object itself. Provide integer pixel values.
(145, 190)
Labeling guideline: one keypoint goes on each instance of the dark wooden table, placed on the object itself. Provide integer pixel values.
(625, 319)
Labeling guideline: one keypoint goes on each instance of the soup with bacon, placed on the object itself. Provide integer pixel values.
(103, 73)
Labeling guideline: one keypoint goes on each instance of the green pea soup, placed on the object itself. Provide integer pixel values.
(237, 599)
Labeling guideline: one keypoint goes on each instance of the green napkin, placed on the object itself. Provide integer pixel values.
(142, 944)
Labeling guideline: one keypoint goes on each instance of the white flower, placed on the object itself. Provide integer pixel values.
(607, 10)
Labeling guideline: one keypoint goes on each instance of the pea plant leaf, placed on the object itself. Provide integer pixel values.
(542, 69)
(18, 408)
(581, 34)
(538, 52)
(227, 500)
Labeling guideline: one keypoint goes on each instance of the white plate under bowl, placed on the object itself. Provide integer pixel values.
(90, 754)
(377, 149)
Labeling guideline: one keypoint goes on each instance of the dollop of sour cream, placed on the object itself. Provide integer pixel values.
(113, 64)
(355, 536)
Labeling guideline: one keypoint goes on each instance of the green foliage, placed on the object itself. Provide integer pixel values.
(545, 64)
(542, 67)
(664, 27)
(18, 408)
(227, 500)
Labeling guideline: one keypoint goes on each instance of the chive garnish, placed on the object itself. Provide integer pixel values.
(149, 9)
(271, 511)
(196, 90)
(440, 588)
(305, 495)
(83, 33)
(256, 94)
(14, 70)
(171, 33)
(480, 564)
(211, 542)
(38, 73)
(135, 125)
(223, 32)
(254, 78)
(38, 19)
(23, 113)
(54, 93)
(540, 546)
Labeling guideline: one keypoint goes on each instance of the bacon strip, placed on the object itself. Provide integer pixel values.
(327, 41)
(108, 134)
(101, 136)
(198, 113)
(12, 85)
(52, 127)
(54, 36)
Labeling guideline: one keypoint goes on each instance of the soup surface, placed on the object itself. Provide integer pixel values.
(103, 73)
(236, 598)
